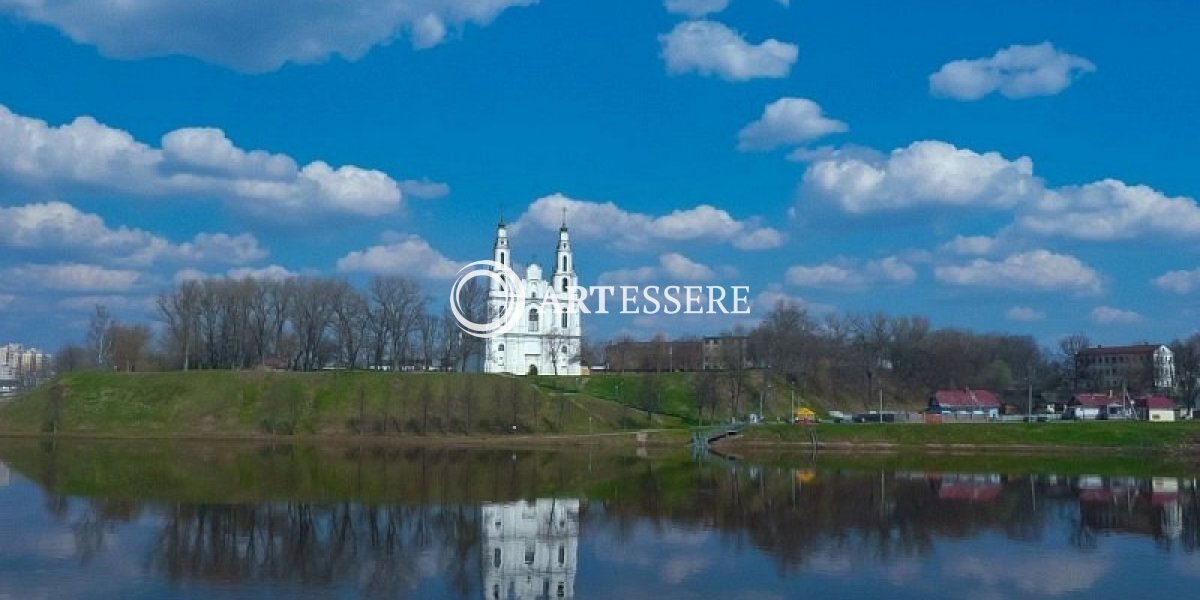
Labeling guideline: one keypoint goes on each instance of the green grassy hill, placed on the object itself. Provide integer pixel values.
(247, 403)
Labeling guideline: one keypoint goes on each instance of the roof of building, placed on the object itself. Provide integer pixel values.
(1144, 348)
(1156, 403)
(1095, 400)
(966, 398)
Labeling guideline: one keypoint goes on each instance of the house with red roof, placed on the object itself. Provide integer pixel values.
(965, 403)
(1155, 408)
(1091, 407)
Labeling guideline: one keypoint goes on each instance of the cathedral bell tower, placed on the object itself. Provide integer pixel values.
(564, 263)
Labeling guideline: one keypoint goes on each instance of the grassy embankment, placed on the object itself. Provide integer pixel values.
(384, 406)
(249, 403)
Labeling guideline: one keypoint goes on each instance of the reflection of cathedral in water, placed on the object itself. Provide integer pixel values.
(529, 549)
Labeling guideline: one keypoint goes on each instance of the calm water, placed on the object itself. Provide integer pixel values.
(127, 521)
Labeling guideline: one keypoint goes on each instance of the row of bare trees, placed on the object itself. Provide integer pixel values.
(306, 323)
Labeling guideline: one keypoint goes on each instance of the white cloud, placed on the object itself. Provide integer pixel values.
(253, 35)
(605, 221)
(222, 248)
(695, 8)
(193, 162)
(424, 189)
(923, 173)
(267, 273)
(60, 226)
(672, 268)
(710, 48)
(1038, 270)
(1111, 210)
(411, 255)
(1014, 72)
(1107, 315)
(850, 275)
(935, 173)
(6, 299)
(973, 245)
(787, 121)
(1024, 314)
(69, 277)
(1179, 282)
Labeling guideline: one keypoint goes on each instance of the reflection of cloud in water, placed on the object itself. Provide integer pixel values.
(1033, 575)
(1186, 564)
(679, 568)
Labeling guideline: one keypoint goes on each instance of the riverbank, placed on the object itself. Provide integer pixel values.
(1177, 437)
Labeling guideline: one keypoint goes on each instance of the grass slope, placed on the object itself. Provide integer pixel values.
(240, 403)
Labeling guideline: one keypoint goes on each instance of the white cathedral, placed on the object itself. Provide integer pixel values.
(549, 343)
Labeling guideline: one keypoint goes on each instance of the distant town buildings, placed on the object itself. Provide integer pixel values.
(21, 366)
(713, 353)
(1140, 367)
(530, 549)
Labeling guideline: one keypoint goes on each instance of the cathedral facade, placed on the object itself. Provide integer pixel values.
(547, 336)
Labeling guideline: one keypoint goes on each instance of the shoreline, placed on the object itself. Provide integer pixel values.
(655, 438)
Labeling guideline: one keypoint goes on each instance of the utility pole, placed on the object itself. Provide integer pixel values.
(792, 415)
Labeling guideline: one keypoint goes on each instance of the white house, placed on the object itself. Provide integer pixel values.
(530, 548)
(549, 343)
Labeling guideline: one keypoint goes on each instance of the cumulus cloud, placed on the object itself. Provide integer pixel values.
(267, 273)
(934, 173)
(672, 268)
(929, 173)
(1179, 282)
(69, 277)
(605, 221)
(255, 35)
(192, 162)
(851, 275)
(409, 255)
(61, 227)
(787, 121)
(710, 48)
(1024, 314)
(695, 8)
(970, 245)
(1015, 72)
(424, 189)
(1110, 210)
(1037, 270)
(1107, 315)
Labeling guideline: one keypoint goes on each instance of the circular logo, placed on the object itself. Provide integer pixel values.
(505, 299)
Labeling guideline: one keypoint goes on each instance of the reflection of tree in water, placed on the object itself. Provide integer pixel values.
(798, 515)
(384, 519)
(379, 548)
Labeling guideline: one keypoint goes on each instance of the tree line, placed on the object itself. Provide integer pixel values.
(298, 323)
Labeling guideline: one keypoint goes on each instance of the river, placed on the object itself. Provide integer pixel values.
(182, 521)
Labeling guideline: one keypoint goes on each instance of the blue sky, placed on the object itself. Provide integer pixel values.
(831, 153)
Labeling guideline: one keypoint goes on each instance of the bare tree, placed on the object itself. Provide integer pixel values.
(99, 338)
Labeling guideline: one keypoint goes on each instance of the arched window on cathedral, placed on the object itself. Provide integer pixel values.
(533, 319)
(500, 348)
(564, 284)
(564, 263)
(564, 318)
(502, 257)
